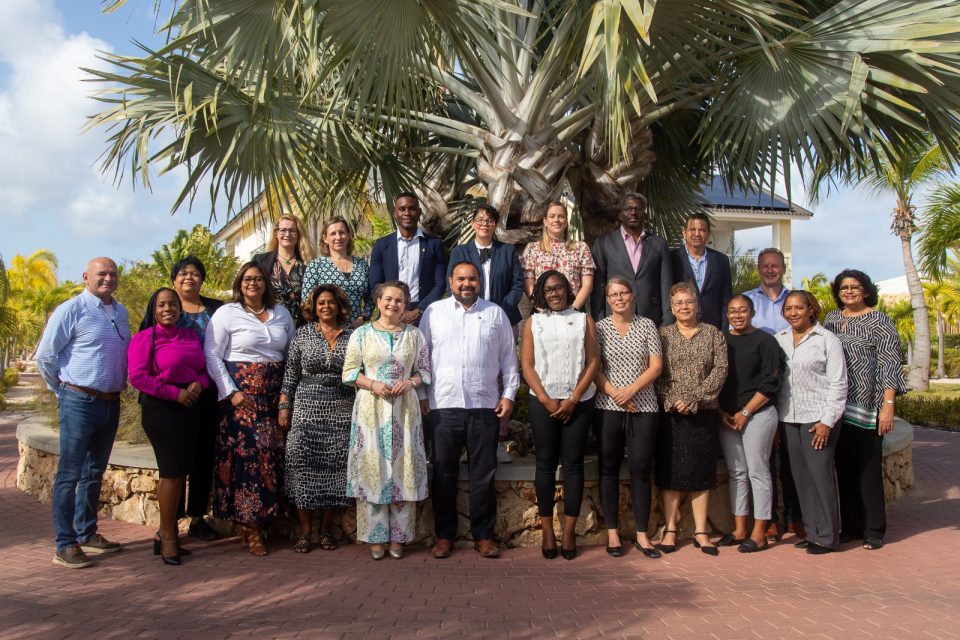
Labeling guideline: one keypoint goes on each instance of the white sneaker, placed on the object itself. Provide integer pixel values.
(503, 457)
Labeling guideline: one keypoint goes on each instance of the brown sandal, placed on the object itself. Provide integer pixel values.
(327, 542)
(254, 541)
(302, 544)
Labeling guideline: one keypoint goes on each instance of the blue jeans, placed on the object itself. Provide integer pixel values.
(87, 429)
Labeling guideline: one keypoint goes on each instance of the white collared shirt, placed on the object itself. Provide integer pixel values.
(469, 349)
(486, 269)
(408, 256)
(813, 387)
(698, 266)
(234, 335)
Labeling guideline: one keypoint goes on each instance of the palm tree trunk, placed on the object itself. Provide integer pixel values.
(918, 372)
(941, 329)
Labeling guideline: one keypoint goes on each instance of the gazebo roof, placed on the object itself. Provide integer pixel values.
(719, 199)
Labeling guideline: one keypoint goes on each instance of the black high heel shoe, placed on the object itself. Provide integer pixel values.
(669, 548)
(158, 551)
(568, 554)
(549, 553)
(650, 552)
(710, 551)
(157, 542)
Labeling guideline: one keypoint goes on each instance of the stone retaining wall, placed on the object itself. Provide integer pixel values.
(130, 482)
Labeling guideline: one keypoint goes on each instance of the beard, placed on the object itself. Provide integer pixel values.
(465, 297)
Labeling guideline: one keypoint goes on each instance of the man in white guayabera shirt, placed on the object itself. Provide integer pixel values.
(471, 345)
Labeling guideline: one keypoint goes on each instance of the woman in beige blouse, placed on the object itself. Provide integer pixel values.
(688, 441)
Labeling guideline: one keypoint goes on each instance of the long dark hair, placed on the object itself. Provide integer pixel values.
(269, 295)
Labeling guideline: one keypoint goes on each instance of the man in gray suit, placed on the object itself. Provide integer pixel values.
(634, 253)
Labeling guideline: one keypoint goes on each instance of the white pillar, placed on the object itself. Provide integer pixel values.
(783, 240)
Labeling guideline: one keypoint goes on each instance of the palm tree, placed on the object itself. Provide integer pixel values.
(819, 286)
(37, 270)
(526, 99)
(743, 269)
(220, 266)
(901, 313)
(939, 224)
(902, 173)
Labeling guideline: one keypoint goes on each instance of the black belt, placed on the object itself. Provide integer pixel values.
(323, 381)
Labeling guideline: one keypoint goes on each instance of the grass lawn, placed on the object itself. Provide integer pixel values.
(938, 390)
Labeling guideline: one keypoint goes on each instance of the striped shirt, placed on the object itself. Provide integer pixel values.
(814, 383)
(85, 344)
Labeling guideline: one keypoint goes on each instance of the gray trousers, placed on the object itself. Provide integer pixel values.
(748, 463)
(813, 473)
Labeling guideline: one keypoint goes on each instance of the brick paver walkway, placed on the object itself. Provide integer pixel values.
(910, 589)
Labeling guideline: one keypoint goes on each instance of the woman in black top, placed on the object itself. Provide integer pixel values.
(749, 423)
(285, 263)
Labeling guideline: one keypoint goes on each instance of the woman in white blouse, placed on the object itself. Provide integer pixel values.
(560, 360)
(244, 347)
(813, 394)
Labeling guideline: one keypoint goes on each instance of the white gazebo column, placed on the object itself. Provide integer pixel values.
(783, 240)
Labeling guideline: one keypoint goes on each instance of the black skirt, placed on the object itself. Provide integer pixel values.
(687, 451)
(172, 430)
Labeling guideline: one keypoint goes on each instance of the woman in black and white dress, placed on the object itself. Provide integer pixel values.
(317, 407)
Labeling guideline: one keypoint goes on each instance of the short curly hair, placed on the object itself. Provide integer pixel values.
(309, 305)
(871, 296)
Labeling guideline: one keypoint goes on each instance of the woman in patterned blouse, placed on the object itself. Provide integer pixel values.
(688, 441)
(630, 362)
(338, 266)
(316, 407)
(871, 347)
(285, 262)
(556, 251)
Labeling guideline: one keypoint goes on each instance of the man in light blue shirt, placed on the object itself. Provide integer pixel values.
(768, 301)
(769, 296)
(82, 357)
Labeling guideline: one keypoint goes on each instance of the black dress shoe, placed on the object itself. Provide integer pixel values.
(616, 552)
(669, 548)
(568, 554)
(816, 550)
(728, 540)
(803, 544)
(156, 547)
(750, 545)
(650, 552)
(201, 530)
(710, 551)
(549, 552)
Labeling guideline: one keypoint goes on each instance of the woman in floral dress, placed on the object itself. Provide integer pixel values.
(556, 251)
(387, 466)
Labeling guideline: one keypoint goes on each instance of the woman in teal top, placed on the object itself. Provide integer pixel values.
(338, 266)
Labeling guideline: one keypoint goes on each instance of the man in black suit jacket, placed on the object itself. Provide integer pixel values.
(707, 269)
(501, 277)
(637, 255)
(411, 256)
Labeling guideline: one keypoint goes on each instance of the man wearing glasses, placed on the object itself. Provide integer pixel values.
(411, 256)
(82, 357)
(642, 258)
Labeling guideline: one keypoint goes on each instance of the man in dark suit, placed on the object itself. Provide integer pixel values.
(411, 256)
(707, 269)
(637, 255)
(501, 277)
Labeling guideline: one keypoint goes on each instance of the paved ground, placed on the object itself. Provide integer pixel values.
(910, 589)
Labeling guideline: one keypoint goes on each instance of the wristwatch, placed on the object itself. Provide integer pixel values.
(745, 412)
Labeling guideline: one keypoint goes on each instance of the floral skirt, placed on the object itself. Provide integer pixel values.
(248, 471)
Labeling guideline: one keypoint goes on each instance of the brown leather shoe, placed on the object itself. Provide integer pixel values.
(442, 548)
(796, 528)
(773, 533)
(486, 548)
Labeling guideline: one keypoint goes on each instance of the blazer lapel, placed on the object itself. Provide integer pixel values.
(644, 255)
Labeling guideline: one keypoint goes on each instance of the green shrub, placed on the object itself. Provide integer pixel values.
(951, 362)
(943, 413)
(11, 377)
(3, 403)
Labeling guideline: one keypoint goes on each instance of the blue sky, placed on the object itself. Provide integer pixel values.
(53, 196)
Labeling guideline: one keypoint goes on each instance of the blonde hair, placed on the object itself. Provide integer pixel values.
(304, 250)
(323, 247)
(545, 237)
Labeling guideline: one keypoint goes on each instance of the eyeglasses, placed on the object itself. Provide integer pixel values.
(684, 303)
(738, 311)
(189, 274)
(484, 222)
(555, 289)
(617, 295)
(254, 280)
(287, 231)
(851, 288)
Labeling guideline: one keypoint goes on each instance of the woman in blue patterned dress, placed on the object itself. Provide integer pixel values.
(338, 266)
(871, 347)
(387, 466)
(316, 407)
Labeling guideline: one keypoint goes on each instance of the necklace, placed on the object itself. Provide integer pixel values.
(289, 260)
(395, 329)
(254, 311)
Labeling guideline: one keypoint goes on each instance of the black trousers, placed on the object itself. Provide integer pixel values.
(781, 476)
(638, 433)
(556, 442)
(859, 463)
(454, 429)
(196, 501)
